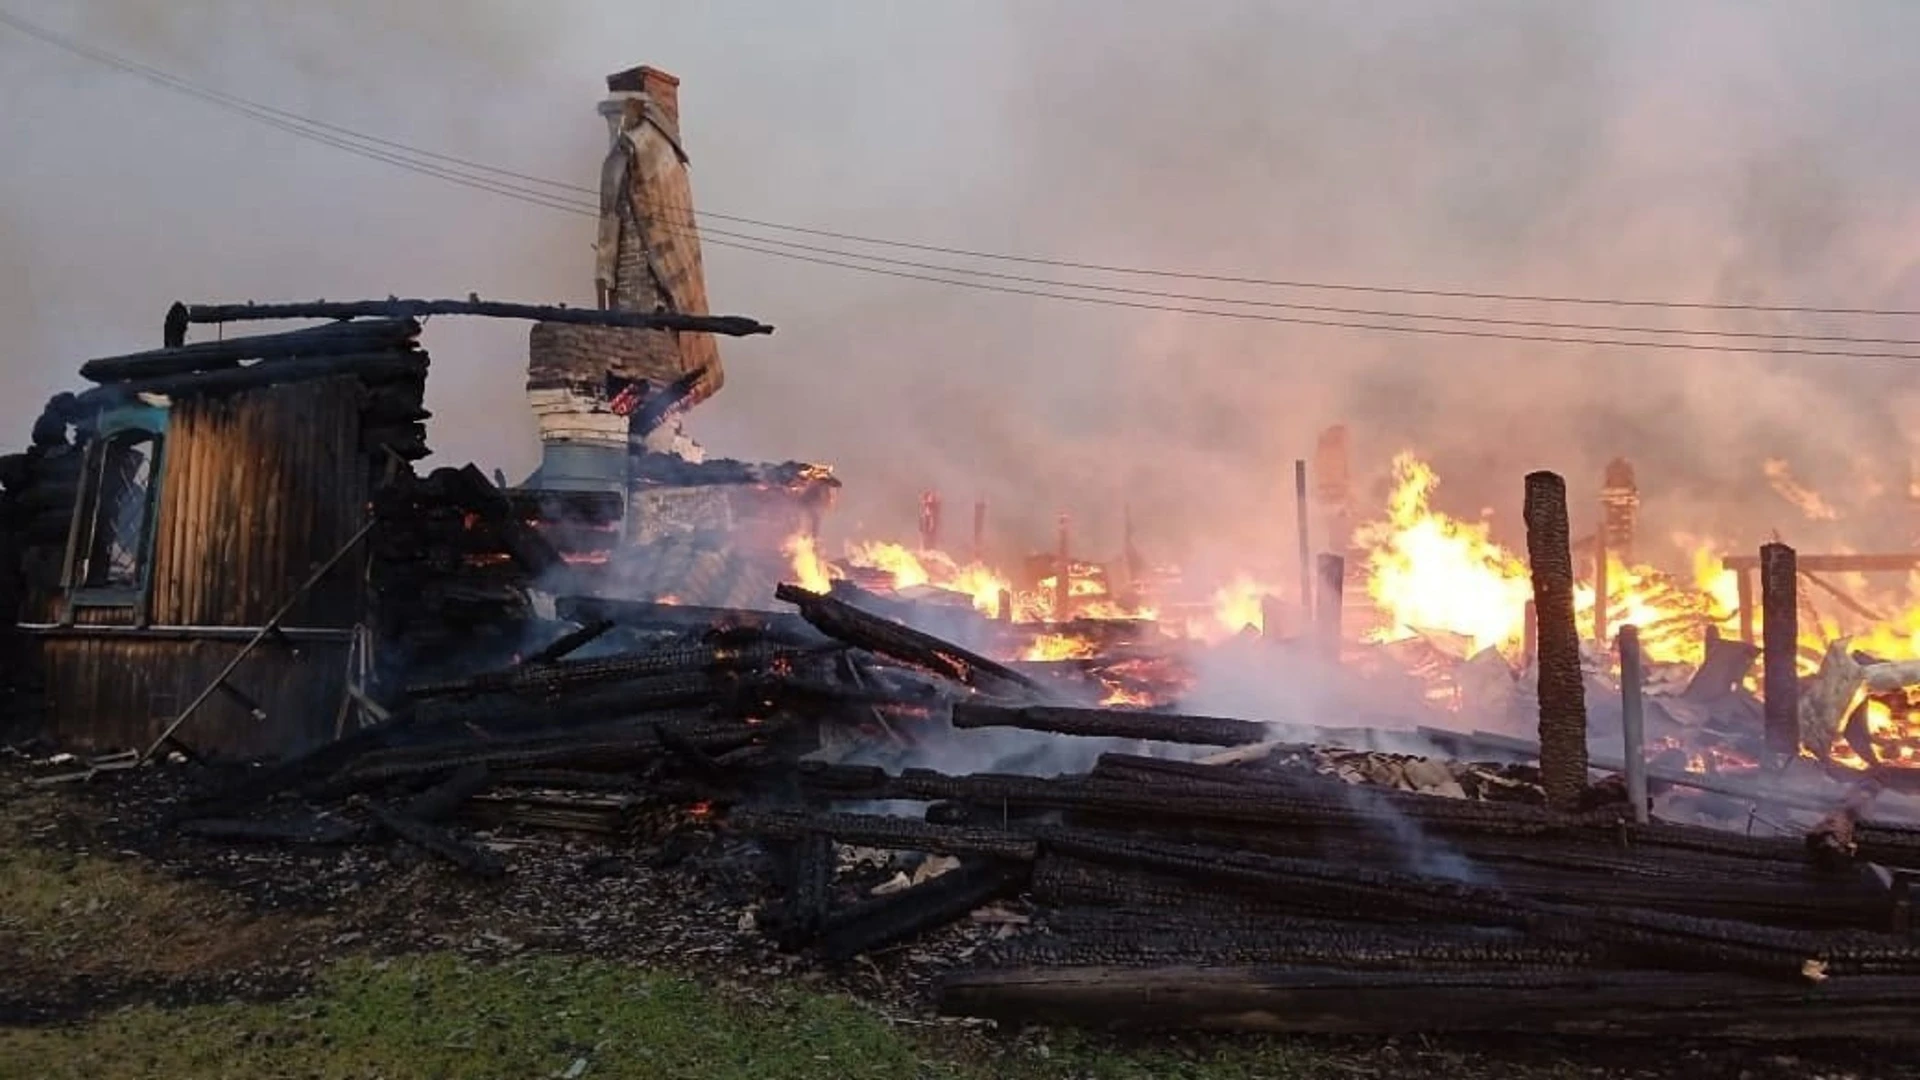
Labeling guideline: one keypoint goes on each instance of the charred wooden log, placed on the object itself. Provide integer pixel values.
(564, 676)
(895, 833)
(182, 315)
(1318, 1000)
(780, 625)
(1111, 723)
(569, 642)
(297, 830)
(366, 336)
(436, 841)
(368, 367)
(444, 799)
(882, 921)
(847, 623)
(1350, 947)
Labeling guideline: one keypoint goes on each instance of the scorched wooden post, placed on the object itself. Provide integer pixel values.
(1331, 598)
(1563, 702)
(1062, 575)
(1780, 646)
(1300, 521)
(1633, 720)
(929, 520)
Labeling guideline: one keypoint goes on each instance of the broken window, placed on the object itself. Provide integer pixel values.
(113, 545)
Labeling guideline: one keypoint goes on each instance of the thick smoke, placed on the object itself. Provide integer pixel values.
(1735, 152)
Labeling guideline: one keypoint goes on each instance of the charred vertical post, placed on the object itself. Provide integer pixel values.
(1529, 637)
(929, 521)
(1273, 617)
(1063, 572)
(1600, 597)
(1563, 702)
(1005, 610)
(979, 530)
(1333, 483)
(1300, 524)
(1780, 646)
(1743, 585)
(1331, 598)
(1633, 723)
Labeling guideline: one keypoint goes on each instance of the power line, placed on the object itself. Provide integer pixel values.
(265, 112)
(344, 139)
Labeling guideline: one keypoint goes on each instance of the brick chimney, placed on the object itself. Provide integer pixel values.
(663, 88)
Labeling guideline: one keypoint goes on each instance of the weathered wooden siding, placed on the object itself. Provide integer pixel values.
(120, 693)
(258, 489)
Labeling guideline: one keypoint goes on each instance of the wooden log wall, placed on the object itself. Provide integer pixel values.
(257, 489)
(112, 693)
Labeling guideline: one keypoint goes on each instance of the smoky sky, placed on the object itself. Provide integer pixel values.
(1728, 152)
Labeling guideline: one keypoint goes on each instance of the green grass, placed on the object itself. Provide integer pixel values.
(439, 1016)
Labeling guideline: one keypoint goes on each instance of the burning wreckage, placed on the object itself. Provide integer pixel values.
(223, 557)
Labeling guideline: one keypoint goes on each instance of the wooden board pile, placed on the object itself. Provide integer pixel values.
(1244, 892)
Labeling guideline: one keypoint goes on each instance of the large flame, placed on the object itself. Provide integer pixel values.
(810, 571)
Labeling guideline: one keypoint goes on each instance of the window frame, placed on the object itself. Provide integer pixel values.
(150, 420)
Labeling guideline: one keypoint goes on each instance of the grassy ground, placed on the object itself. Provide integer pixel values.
(156, 978)
(109, 969)
(435, 1016)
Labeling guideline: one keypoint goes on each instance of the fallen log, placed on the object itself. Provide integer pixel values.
(1111, 723)
(882, 921)
(302, 830)
(181, 315)
(840, 620)
(369, 335)
(369, 367)
(569, 642)
(894, 833)
(444, 799)
(1318, 1000)
(436, 841)
(636, 613)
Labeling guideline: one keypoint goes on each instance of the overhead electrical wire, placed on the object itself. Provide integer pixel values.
(510, 184)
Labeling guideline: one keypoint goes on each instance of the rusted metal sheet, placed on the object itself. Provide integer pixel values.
(258, 488)
(108, 693)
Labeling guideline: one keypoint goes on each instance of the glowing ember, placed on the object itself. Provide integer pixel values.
(1057, 647)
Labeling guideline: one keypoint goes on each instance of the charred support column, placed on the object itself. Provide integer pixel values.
(1331, 599)
(1005, 613)
(1273, 617)
(1780, 630)
(1563, 701)
(1633, 722)
(1529, 637)
(1600, 588)
(1062, 576)
(929, 521)
(980, 530)
(1743, 584)
(1300, 522)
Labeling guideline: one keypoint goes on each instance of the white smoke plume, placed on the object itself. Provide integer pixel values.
(1733, 152)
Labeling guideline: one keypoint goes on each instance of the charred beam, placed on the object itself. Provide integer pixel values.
(1563, 706)
(728, 325)
(1111, 723)
(883, 921)
(843, 621)
(569, 642)
(369, 367)
(893, 833)
(1319, 1000)
(436, 841)
(367, 336)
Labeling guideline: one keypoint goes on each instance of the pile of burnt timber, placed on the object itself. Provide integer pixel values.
(1164, 893)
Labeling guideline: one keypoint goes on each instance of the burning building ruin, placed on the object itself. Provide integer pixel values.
(225, 549)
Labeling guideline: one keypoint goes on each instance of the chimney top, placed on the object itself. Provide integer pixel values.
(662, 87)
